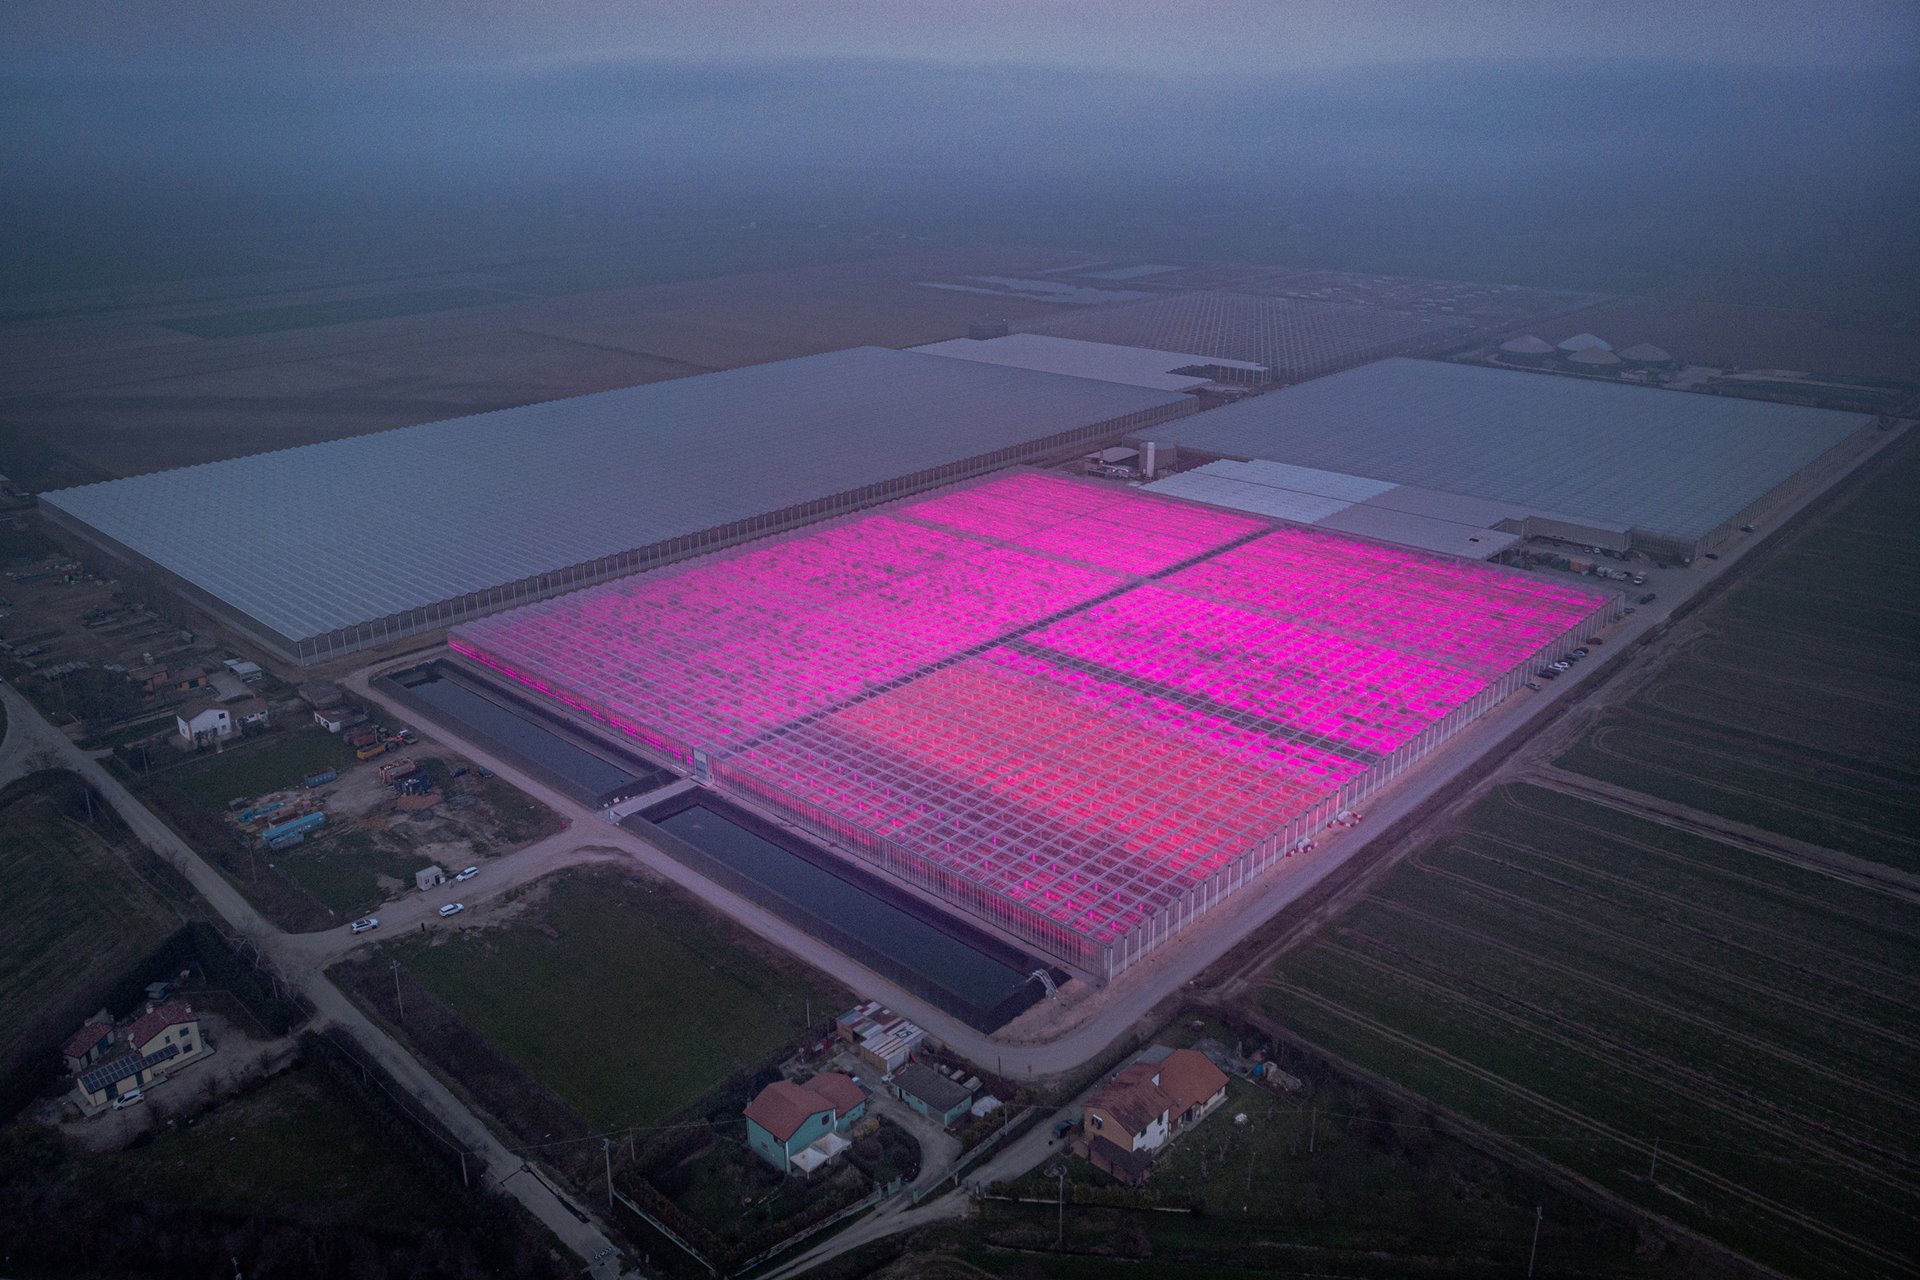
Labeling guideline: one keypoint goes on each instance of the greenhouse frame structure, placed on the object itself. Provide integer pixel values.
(1085, 715)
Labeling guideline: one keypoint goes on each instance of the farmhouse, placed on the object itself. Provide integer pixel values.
(793, 1126)
(1146, 1105)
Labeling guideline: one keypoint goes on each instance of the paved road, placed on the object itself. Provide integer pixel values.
(300, 962)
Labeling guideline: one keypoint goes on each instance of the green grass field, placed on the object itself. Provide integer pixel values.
(627, 1001)
(1798, 709)
(78, 914)
(297, 1147)
(343, 870)
(255, 767)
(1588, 982)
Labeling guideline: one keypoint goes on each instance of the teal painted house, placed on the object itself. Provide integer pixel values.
(793, 1126)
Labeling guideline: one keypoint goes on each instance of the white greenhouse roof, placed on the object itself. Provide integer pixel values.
(309, 540)
(1613, 454)
(1107, 361)
(1404, 514)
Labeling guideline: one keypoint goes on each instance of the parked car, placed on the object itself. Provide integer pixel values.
(131, 1097)
(486, 773)
(453, 909)
(1647, 598)
(1533, 684)
(365, 923)
(1062, 1128)
(1581, 652)
(468, 874)
(1548, 673)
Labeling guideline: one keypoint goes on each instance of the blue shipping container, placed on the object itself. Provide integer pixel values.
(260, 810)
(322, 778)
(312, 822)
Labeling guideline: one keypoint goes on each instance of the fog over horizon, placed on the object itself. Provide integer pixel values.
(1754, 183)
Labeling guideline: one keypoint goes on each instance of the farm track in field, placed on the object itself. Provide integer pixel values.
(1847, 868)
(1764, 887)
(1897, 1262)
(1580, 1040)
(1798, 1061)
(1579, 925)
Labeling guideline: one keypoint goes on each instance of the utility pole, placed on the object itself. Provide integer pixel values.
(1654, 1163)
(398, 999)
(463, 1171)
(1059, 1172)
(1538, 1214)
(606, 1153)
(1313, 1129)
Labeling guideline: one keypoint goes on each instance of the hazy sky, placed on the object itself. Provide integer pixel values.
(1137, 35)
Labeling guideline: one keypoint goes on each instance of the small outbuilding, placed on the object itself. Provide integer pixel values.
(931, 1094)
(88, 1045)
(428, 878)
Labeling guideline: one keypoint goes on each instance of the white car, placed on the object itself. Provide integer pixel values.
(453, 908)
(128, 1099)
(365, 923)
(468, 874)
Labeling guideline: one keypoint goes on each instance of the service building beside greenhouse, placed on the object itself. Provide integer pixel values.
(1630, 468)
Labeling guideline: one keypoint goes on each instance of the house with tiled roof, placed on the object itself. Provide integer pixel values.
(1194, 1085)
(793, 1126)
(88, 1045)
(170, 1025)
(1146, 1104)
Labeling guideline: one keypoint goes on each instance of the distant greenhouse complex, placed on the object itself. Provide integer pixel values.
(1620, 466)
(322, 550)
(1083, 713)
(1080, 713)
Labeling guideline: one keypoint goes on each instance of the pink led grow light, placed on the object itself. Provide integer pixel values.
(1080, 712)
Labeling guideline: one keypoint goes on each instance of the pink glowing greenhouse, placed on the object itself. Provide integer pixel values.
(1083, 714)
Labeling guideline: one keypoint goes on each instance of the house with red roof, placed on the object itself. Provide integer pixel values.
(1146, 1105)
(167, 1026)
(798, 1126)
(88, 1045)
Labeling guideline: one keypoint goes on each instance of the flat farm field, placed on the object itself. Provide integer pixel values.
(1591, 983)
(1795, 709)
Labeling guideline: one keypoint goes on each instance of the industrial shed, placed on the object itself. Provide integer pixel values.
(1083, 714)
(322, 550)
(1615, 464)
